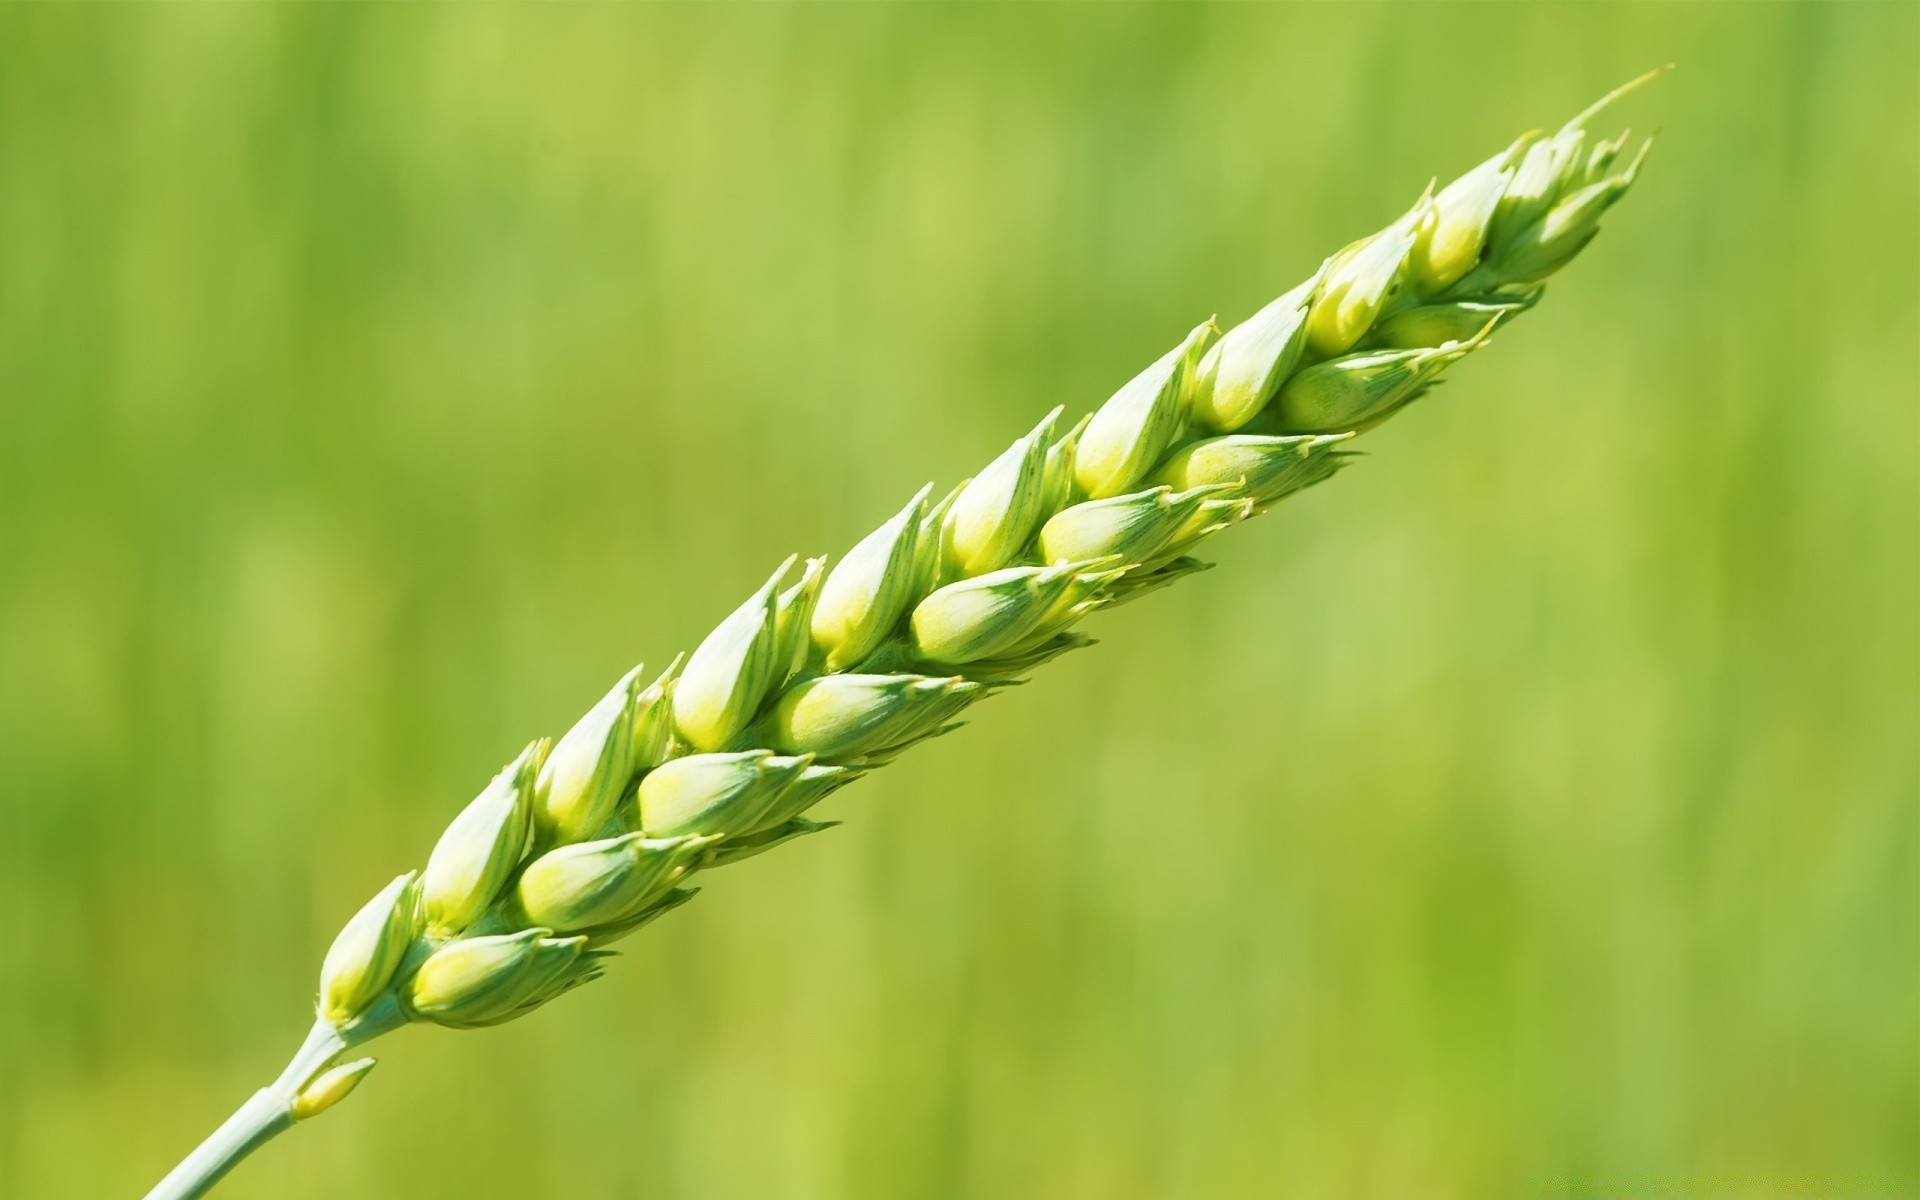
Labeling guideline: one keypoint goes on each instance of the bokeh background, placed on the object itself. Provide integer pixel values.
(1530, 811)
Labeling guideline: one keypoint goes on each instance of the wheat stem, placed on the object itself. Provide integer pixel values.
(274, 1109)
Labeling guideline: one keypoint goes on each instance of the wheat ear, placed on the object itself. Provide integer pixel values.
(821, 676)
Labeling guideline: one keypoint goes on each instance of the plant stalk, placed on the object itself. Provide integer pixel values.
(269, 1112)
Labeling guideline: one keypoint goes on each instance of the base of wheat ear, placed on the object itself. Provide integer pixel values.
(825, 674)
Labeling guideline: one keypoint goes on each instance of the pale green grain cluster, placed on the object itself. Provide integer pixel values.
(824, 674)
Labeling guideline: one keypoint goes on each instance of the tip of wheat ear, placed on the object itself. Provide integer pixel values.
(822, 675)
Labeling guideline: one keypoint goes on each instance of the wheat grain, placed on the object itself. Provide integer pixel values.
(821, 676)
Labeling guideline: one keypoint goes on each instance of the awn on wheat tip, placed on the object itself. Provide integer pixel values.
(825, 674)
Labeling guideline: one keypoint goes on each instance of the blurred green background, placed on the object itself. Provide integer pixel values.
(1531, 811)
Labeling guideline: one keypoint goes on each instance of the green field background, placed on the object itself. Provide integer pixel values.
(1534, 810)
